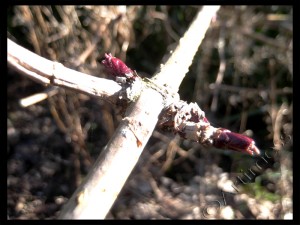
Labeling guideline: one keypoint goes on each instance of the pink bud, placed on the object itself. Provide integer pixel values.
(235, 141)
(116, 67)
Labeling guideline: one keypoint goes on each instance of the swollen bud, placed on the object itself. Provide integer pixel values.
(117, 67)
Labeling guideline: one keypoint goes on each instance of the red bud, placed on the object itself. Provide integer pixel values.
(116, 67)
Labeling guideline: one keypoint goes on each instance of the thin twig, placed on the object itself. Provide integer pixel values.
(33, 99)
(269, 41)
(222, 67)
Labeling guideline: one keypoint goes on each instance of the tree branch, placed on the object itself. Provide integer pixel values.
(152, 99)
(53, 73)
(175, 69)
(95, 196)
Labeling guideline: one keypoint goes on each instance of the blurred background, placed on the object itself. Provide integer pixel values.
(241, 77)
